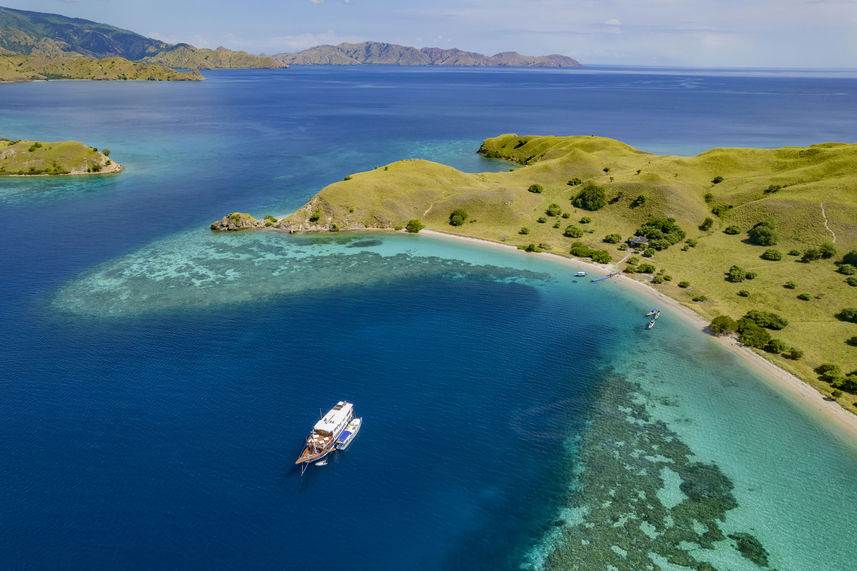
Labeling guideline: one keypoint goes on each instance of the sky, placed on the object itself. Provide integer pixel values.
(693, 33)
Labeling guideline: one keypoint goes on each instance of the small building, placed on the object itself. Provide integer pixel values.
(638, 240)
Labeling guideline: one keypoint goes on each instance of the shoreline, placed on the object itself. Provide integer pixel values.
(826, 412)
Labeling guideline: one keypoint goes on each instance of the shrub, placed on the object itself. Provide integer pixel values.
(585, 220)
(531, 248)
(763, 233)
(790, 285)
(852, 341)
(347, 177)
(35, 146)
(645, 268)
(565, 215)
(334, 228)
(592, 197)
(541, 220)
(731, 230)
(772, 188)
(649, 252)
(736, 274)
(804, 296)
(413, 226)
(105, 152)
(852, 281)
(850, 258)
(848, 314)
(691, 242)
(706, 224)
(606, 170)
(750, 275)
(771, 254)
(623, 247)
(269, 220)
(612, 238)
(556, 224)
(553, 210)
(751, 334)
(766, 319)
(810, 255)
(775, 346)
(708, 197)
(744, 293)
(684, 284)
(847, 269)
(662, 232)
(722, 325)
(524, 230)
(720, 209)
(536, 188)
(658, 280)
(574, 181)
(457, 217)
(641, 200)
(601, 256)
(630, 269)
(794, 353)
(836, 394)
(717, 180)
(315, 216)
(580, 250)
(827, 250)
(668, 278)
(572, 231)
(794, 252)
(828, 371)
(699, 298)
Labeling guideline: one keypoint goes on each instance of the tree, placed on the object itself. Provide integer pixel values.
(553, 210)
(722, 325)
(852, 281)
(736, 274)
(575, 181)
(591, 197)
(827, 250)
(524, 230)
(105, 152)
(641, 200)
(457, 217)
(601, 256)
(810, 255)
(836, 394)
(850, 258)
(662, 232)
(763, 233)
(414, 226)
(749, 333)
(585, 220)
(731, 230)
(794, 353)
(772, 254)
(706, 224)
(852, 341)
(775, 346)
(848, 314)
(717, 180)
(766, 319)
(846, 269)
(612, 238)
(579, 250)
(536, 188)
(572, 231)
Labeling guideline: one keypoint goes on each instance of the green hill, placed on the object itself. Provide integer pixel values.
(379, 53)
(809, 193)
(186, 56)
(36, 67)
(52, 35)
(35, 158)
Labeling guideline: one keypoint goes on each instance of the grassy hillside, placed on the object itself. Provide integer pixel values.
(25, 32)
(810, 193)
(33, 158)
(185, 56)
(30, 68)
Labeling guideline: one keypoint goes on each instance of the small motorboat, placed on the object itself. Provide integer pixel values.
(651, 324)
(658, 314)
(580, 274)
(653, 312)
(322, 463)
(348, 434)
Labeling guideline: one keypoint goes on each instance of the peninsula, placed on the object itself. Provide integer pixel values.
(35, 158)
(760, 241)
(380, 53)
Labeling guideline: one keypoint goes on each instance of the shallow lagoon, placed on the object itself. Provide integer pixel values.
(160, 379)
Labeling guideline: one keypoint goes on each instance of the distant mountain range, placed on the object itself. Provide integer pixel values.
(52, 35)
(378, 53)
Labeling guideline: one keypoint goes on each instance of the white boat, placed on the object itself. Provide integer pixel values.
(322, 439)
(580, 274)
(348, 434)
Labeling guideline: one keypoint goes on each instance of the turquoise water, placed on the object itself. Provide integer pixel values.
(160, 378)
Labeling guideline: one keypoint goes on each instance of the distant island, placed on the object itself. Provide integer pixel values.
(57, 42)
(379, 53)
(762, 242)
(37, 158)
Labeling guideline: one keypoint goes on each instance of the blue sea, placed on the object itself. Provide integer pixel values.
(159, 380)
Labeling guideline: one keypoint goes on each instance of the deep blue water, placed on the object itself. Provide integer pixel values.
(165, 436)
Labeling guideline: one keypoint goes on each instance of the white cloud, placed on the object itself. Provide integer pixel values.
(612, 22)
(317, 1)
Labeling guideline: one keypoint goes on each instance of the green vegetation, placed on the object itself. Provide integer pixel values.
(575, 181)
(186, 56)
(732, 230)
(821, 173)
(31, 158)
(706, 224)
(717, 180)
(414, 226)
(572, 231)
(592, 197)
(536, 188)
(457, 217)
(772, 255)
(553, 209)
(662, 232)
(36, 67)
(612, 238)
(848, 314)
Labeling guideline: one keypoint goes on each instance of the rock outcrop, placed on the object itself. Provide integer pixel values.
(237, 221)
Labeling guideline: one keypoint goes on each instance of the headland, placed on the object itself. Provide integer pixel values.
(36, 158)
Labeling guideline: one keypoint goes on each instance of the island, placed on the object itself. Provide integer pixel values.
(37, 46)
(36, 158)
(761, 243)
(381, 53)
